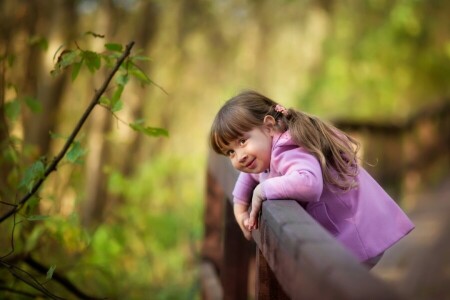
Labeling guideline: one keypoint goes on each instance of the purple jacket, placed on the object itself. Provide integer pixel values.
(365, 219)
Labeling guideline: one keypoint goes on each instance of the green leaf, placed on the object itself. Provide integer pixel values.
(122, 79)
(33, 173)
(111, 58)
(39, 41)
(55, 136)
(138, 74)
(33, 104)
(12, 109)
(150, 131)
(105, 101)
(33, 202)
(114, 47)
(92, 60)
(76, 69)
(50, 272)
(116, 104)
(37, 218)
(75, 152)
(67, 58)
(140, 57)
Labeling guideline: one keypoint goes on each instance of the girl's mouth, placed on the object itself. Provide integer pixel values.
(250, 165)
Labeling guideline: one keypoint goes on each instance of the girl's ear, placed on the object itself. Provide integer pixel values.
(270, 124)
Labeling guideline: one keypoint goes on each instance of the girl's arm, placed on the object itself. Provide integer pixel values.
(257, 200)
(300, 176)
(242, 193)
(300, 179)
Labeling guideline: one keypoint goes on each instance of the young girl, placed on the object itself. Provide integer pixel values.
(287, 154)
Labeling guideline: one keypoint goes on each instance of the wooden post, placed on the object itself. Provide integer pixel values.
(236, 259)
(213, 221)
(267, 286)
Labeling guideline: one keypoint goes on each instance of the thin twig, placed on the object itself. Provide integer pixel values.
(53, 165)
(66, 283)
(22, 293)
(12, 239)
(27, 278)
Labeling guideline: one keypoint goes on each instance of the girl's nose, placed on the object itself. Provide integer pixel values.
(242, 157)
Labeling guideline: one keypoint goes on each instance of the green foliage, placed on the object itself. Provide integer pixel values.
(39, 41)
(160, 243)
(37, 218)
(115, 103)
(75, 153)
(150, 131)
(13, 108)
(380, 59)
(56, 232)
(76, 58)
(50, 272)
(32, 174)
(92, 60)
(114, 47)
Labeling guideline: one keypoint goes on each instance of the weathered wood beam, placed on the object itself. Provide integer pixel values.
(237, 252)
(308, 262)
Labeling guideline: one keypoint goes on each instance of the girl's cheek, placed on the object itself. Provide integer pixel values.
(234, 163)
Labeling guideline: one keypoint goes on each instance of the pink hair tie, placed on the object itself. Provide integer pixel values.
(281, 109)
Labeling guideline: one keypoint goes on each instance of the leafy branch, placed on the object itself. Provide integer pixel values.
(54, 163)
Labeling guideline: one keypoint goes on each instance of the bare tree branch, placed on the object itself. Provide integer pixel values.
(58, 278)
(29, 279)
(22, 293)
(53, 165)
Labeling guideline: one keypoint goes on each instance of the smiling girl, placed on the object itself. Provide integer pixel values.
(288, 154)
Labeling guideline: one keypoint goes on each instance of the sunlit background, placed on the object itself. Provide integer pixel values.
(127, 222)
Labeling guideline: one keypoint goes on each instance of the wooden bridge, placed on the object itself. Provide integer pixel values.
(293, 257)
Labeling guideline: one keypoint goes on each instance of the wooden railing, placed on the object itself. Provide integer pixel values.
(405, 155)
(295, 257)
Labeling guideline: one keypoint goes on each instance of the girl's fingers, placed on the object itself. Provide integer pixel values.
(252, 223)
(251, 220)
(253, 216)
(247, 224)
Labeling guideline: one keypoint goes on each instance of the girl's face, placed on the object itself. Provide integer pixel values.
(251, 152)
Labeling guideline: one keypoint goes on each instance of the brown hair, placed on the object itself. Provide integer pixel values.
(335, 150)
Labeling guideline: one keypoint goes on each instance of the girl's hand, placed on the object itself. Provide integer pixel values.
(257, 200)
(242, 217)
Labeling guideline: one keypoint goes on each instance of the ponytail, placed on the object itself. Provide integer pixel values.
(335, 150)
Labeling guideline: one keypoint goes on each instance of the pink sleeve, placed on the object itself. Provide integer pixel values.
(301, 175)
(243, 189)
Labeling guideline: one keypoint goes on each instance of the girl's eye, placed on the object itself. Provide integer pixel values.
(229, 152)
(242, 141)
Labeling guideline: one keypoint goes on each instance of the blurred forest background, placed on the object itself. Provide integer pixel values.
(127, 221)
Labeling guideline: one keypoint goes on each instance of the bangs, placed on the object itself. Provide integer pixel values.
(238, 116)
(226, 129)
